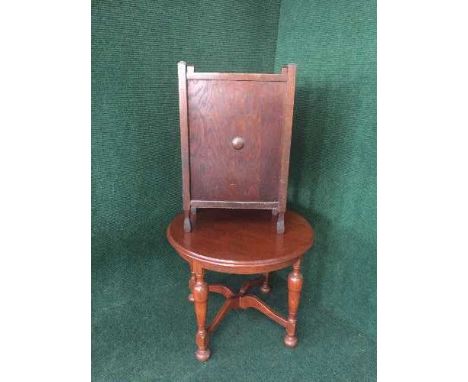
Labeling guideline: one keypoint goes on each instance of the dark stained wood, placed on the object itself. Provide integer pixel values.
(221, 111)
(235, 131)
(234, 205)
(184, 142)
(286, 144)
(249, 284)
(200, 296)
(191, 284)
(265, 288)
(263, 77)
(280, 222)
(244, 302)
(241, 241)
(221, 289)
(235, 139)
(295, 281)
(222, 312)
(254, 302)
(245, 242)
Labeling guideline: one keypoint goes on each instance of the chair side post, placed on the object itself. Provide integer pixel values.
(286, 143)
(184, 143)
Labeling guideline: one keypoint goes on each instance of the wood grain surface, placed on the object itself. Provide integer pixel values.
(220, 111)
(241, 241)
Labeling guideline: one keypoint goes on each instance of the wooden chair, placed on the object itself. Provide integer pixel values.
(235, 138)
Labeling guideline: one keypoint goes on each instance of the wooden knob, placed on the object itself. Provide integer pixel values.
(238, 143)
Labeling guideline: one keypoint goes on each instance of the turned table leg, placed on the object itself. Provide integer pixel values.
(294, 295)
(191, 284)
(265, 288)
(200, 296)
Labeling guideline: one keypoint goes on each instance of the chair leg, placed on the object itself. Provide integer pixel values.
(265, 288)
(280, 223)
(295, 281)
(187, 222)
(200, 296)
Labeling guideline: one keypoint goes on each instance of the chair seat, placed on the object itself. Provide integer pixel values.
(241, 241)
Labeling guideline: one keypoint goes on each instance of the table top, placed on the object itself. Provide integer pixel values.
(241, 241)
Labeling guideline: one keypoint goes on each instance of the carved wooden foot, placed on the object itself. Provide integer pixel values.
(295, 281)
(202, 355)
(280, 223)
(265, 288)
(200, 296)
(290, 341)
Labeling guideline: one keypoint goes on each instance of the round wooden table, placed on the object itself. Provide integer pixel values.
(241, 242)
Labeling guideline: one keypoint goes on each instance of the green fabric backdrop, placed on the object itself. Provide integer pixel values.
(142, 327)
(333, 157)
